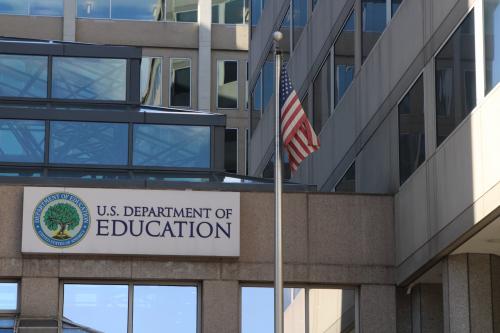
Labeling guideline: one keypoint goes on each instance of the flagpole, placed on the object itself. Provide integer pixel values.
(278, 189)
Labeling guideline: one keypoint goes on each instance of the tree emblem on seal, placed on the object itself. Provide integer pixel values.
(60, 218)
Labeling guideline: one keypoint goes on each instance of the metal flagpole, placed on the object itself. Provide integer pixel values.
(278, 188)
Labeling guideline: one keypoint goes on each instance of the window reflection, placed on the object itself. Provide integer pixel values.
(180, 82)
(151, 87)
(14, 7)
(8, 300)
(255, 12)
(455, 79)
(322, 96)
(93, 8)
(23, 76)
(492, 43)
(344, 58)
(227, 84)
(231, 150)
(395, 5)
(22, 141)
(299, 18)
(89, 78)
(285, 42)
(145, 10)
(267, 81)
(228, 11)
(374, 20)
(348, 182)
(182, 10)
(331, 310)
(47, 7)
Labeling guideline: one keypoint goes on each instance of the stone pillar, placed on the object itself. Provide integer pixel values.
(495, 293)
(204, 53)
(220, 307)
(467, 294)
(39, 297)
(427, 308)
(377, 309)
(69, 21)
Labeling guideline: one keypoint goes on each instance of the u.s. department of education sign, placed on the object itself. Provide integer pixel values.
(131, 222)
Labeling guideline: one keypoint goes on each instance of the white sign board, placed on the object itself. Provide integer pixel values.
(131, 222)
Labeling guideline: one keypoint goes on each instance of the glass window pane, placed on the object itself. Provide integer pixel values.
(15, 7)
(151, 87)
(22, 140)
(88, 143)
(47, 7)
(299, 18)
(267, 81)
(172, 146)
(374, 20)
(228, 11)
(344, 58)
(395, 6)
(331, 310)
(411, 131)
(154, 306)
(256, 103)
(8, 297)
(89, 78)
(322, 96)
(294, 305)
(6, 322)
(23, 76)
(145, 10)
(348, 182)
(255, 12)
(93, 9)
(227, 84)
(100, 307)
(231, 150)
(492, 43)
(182, 10)
(455, 79)
(180, 82)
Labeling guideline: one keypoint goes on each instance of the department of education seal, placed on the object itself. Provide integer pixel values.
(61, 219)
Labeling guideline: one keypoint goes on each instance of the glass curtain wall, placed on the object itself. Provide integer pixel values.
(32, 7)
(23, 76)
(299, 19)
(227, 84)
(22, 140)
(395, 5)
(322, 96)
(492, 43)
(229, 12)
(344, 58)
(267, 81)
(255, 13)
(455, 79)
(151, 86)
(256, 103)
(180, 82)
(373, 23)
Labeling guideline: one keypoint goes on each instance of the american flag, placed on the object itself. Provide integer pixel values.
(298, 135)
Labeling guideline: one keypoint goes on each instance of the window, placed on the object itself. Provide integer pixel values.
(23, 76)
(348, 183)
(7, 325)
(89, 78)
(314, 2)
(106, 307)
(145, 10)
(8, 299)
(88, 143)
(171, 146)
(151, 87)
(267, 81)
(299, 19)
(374, 20)
(228, 11)
(328, 310)
(411, 131)
(22, 140)
(322, 96)
(182, 11)
(256, 103)
(231, 150)
(180, 82)
(492, 43)
(93, 9)
(32, 7)
(255, 12)
(227, 84)
(344, 58)
(285, 43)
(395, 5)
(15, 7)
(455, 79)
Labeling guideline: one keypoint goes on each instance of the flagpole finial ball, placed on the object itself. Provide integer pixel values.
(277, 36)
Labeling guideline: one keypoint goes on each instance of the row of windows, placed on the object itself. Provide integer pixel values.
(105, 144)
(154, 307)
(223, 11)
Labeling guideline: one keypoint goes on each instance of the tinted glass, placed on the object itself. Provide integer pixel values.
(93, 9)
(228, 11)
(492, 42)
(395, 5)
(172, 146)
(322, 96)
(100, 307)
(256, 102)
(411, 131)
(231, 150)
(348, 181)
(227, 84)
(299, 18)
(151, 81)
(146, 10)
(255, 12)
(180, 82)
(314, 2)
(455, 79)
(331, 310)
(8, 299)
(16, 7)
(88, 143)
(374, 20)
(267, 81)
(344, 58)
(22, 140)
(89, 78)
(47, 7)
(23, 76)
(182, 10)
(159, 307)
(285, 30)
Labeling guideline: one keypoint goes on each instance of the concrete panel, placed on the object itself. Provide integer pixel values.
(41, 267)
(230, 37)
(490, 118)
(87, 268)
(351, 274)
(69, 24)
(174, 270)
(11, 267)
(220, 307)
(377, 302)
(39, 297)
(403, 311)
(457, 302)
(431, 302)
(495, 289)
(11, 214)
(37, 27)
(480, 300)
